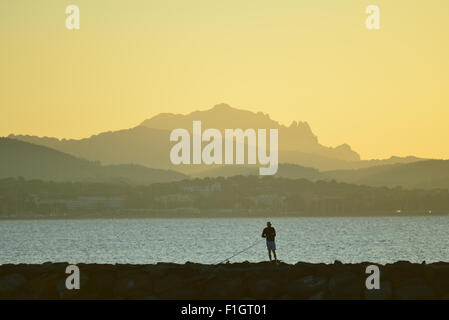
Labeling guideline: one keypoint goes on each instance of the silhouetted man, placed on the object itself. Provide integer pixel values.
(269, 233)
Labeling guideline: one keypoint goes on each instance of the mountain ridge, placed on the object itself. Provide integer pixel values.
(148, 143)
(32, 161)
(297, 136)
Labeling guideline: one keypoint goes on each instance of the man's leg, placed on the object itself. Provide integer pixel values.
(275, 258)
(269, 254)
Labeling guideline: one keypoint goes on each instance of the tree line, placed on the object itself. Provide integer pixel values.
(244, 193)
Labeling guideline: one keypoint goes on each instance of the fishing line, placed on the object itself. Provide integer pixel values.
(240, 252)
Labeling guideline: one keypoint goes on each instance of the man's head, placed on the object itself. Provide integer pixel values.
(268, 224)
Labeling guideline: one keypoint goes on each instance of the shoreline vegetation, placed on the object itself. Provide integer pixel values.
(237, 196)
(401, 280)
(207, 215)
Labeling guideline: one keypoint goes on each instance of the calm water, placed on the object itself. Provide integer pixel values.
(141, 241)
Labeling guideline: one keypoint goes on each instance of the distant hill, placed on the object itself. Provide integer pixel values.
(421, 174)
(145, 146)
(425, 174)
(31, 161)
(18, 158)
(290, 171)
(148, 144)
(296, 137)
(326, 164)
(391, 160)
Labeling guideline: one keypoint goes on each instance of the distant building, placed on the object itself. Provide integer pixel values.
(204, 190)
(269, 201)
(173, 200)
(89, 203)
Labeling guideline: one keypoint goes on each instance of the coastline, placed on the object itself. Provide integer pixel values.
(165, 215)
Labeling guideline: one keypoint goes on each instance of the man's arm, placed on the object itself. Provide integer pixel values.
(264, 235)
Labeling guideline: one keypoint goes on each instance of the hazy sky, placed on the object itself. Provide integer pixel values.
(383, 92)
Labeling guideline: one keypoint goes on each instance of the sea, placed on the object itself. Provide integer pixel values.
(211, 241)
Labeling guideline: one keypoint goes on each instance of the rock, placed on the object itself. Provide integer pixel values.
(168, 285)
(263, 289)
(102, 284)
(402, 271)
(133, 281)
(415, 292)
(402, 280)
(442, 288)
(157, 271)
(45, 286)
(439, 279)
(345, 285)
(306, 286)
(324, 270)
(220, 288)
(11, 282)
(385, 292)
(133, 284)
(318, 296)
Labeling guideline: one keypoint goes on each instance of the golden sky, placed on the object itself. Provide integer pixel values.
(384, 92)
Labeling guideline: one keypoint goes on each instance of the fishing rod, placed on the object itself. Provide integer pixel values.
(240, 252)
